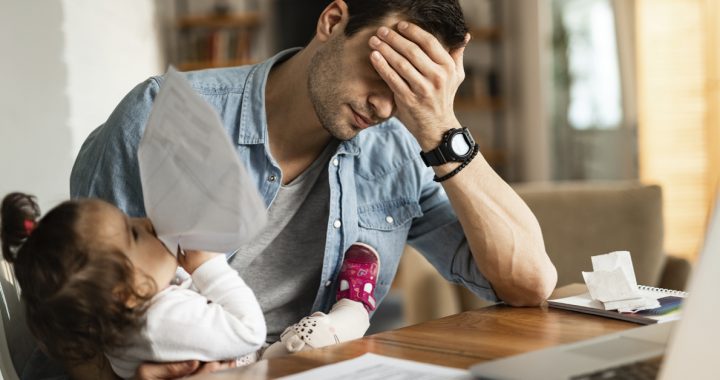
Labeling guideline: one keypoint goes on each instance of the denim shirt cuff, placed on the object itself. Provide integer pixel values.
(465, 271)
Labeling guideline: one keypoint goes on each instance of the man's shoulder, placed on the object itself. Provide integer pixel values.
(220, 80)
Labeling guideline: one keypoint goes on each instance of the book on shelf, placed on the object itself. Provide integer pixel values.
(216, 40)
(669, 310)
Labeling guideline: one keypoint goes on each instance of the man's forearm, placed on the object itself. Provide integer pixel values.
(504, 235)
(502, 232)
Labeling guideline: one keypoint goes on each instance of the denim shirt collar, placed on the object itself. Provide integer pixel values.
(349, 147)
(253, 124)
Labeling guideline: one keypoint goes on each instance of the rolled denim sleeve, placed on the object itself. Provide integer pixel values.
(439, 237)
(107, 165)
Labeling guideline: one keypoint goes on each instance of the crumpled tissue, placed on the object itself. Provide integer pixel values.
(613, 283)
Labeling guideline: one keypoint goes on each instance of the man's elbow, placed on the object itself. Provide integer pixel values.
(533, 291)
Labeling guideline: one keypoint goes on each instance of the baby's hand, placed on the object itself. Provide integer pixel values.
(191, 260)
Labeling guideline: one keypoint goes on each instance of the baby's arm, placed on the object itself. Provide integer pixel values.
(223, 321)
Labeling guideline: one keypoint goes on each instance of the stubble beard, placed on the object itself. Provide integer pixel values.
(324, 79)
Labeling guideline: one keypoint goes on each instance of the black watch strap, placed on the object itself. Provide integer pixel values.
(443, 153)
(434, 157)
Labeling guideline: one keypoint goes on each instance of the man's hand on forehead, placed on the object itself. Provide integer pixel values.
(423, 75)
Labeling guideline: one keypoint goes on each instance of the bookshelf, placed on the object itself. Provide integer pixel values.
(216, 40)
(479, 103)
(480, 89)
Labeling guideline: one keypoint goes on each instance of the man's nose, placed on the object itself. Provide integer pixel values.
(383, 105)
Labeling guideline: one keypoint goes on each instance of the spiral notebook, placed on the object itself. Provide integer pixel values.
(669, 310)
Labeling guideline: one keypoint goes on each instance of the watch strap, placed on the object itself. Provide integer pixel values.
(462, 166)
(434, 157)
(442, 154)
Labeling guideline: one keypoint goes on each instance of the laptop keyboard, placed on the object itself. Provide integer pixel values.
(644, 369)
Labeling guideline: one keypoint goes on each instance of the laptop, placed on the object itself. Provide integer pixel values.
(684, 349)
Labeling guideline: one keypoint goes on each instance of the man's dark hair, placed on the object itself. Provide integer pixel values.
(442, 18)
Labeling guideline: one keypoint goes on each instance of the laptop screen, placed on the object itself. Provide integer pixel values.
(693, 349)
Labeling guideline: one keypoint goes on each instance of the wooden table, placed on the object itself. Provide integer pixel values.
(456, 341)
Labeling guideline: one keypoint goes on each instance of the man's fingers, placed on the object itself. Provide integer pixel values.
(166, 371)
(400, 64)
(397, 84)
(216, 366)
(406, 48)
(425, 40)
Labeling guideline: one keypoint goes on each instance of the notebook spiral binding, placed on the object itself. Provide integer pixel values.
(668, 292)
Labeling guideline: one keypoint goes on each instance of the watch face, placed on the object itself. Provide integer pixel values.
(459, 145)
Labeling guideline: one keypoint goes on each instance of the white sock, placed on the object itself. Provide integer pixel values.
(350, 319)
(347, 320)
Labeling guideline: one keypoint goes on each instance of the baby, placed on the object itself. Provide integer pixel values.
(94, 280)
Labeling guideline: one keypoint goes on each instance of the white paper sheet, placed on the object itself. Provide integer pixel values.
(377, 367)
(613, 283)
(197, 193)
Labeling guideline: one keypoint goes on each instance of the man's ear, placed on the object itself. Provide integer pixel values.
(332, 20)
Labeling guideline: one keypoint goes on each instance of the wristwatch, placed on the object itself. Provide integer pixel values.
(456, 146)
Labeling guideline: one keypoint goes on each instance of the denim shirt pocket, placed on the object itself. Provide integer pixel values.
(385, 226)
(389, 215)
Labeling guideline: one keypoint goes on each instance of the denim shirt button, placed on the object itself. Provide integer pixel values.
(328, 283)
(337, 223)
(389, 219)
(272, 178)
(336, 162)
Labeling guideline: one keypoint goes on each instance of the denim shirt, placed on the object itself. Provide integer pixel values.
(381, 193)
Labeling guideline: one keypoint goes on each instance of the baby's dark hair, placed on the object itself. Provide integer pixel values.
(76, 295)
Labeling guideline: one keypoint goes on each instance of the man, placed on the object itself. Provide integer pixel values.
(331, 135)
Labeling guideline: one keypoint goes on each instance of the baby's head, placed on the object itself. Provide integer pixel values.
(86, 272)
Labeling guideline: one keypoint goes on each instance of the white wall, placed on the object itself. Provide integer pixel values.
(66, 64)
(35, 135)
(110, 46)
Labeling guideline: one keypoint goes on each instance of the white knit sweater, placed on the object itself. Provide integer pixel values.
(221, 320)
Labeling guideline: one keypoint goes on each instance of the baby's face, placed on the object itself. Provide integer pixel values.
(103, 223)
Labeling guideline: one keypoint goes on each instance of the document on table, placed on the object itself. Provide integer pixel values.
(196, 192)
(377, 367)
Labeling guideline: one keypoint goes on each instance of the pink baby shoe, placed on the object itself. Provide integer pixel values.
(359, 274)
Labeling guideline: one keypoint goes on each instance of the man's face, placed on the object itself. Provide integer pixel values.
(347, 93)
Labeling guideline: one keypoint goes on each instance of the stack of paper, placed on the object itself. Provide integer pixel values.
(377, 367)
(196, 191)
(613, 283)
